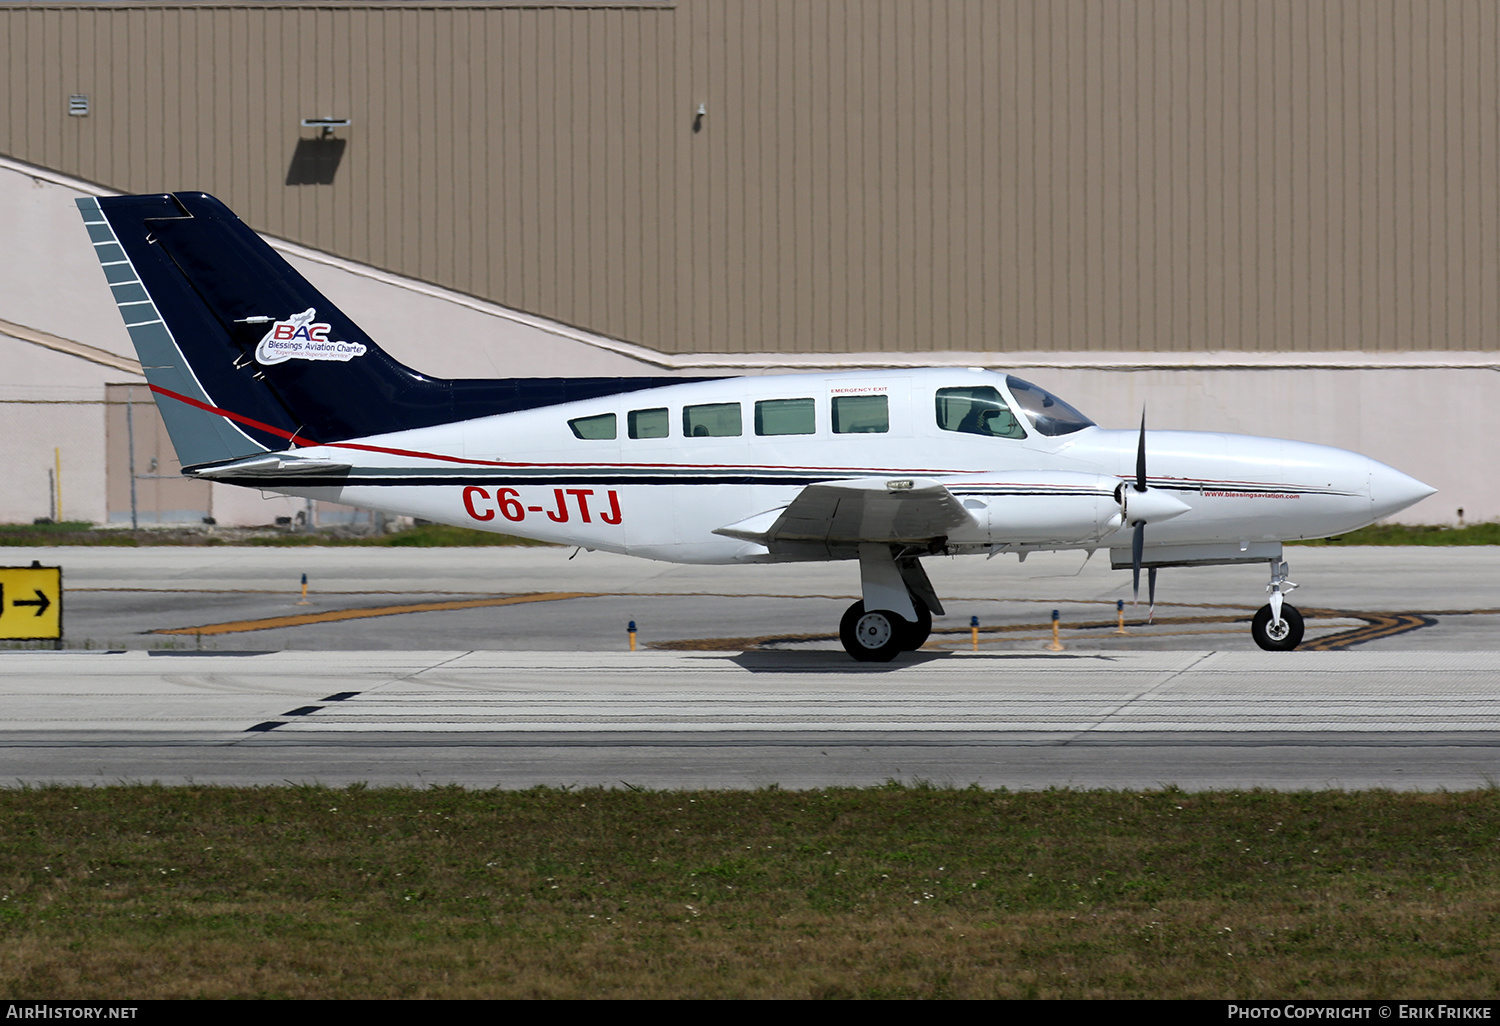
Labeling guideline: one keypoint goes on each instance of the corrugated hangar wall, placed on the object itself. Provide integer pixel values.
(866, 176)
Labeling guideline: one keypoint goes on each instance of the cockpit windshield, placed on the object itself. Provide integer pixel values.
(1047, 413)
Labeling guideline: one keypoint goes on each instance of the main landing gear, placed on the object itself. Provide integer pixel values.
(876, 636)
(896, 614)
(1277, 627)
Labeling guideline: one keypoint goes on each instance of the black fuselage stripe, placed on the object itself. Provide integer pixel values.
(351, 481)
(615, 480)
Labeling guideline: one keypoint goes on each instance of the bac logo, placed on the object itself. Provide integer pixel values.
(508, 502)
(300, 338)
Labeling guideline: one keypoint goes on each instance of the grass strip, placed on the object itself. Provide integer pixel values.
(1415, 534)
(314, 892)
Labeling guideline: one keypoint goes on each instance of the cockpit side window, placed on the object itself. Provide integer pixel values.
(1047, 413)
(977, 410)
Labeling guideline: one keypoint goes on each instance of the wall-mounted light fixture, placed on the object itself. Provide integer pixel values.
(326, 124)
(698, 118)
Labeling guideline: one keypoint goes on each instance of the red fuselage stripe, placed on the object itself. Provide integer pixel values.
(418, 454)
(278, 432)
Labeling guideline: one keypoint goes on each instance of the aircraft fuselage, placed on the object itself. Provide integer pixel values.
(527, 474)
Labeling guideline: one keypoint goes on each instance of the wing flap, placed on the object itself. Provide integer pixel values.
(905, 510)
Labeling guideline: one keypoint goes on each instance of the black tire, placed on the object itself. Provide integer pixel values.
(873, 637)
(1281, 639)
(915, 635)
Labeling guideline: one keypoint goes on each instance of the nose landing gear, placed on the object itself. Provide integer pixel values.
(1277, 626)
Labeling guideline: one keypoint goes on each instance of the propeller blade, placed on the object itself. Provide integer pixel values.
(1138, 539)
(1137, 547)
(1140, 457)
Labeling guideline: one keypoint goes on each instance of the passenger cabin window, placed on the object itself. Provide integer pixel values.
(784, 417)
(977, 410)
(711, 420)
(602, 426)
(647, 423)
(861, 414)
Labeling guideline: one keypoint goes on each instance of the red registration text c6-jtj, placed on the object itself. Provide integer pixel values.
(560, 506)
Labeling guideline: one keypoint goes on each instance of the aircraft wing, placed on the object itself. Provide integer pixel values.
(876, 509)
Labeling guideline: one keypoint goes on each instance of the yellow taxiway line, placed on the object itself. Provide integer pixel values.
(333, 615)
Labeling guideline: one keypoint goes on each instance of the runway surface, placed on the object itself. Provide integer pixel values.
(508, 668)
(678, 720)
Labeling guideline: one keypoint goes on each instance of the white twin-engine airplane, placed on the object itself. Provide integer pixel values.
(262, 382)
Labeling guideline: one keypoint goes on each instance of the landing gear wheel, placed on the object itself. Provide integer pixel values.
(873, 637)
(1277, 637)
(915, 635)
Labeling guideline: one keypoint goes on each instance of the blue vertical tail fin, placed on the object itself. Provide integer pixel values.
(245, 356)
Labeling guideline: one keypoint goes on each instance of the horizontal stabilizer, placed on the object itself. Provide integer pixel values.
(279, 466)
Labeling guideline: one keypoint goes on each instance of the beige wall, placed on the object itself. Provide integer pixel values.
(1431, 414)
(885, 176)
(54, 400)
(51, 412)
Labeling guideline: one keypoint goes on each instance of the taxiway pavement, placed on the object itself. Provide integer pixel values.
(540, 599)
(522, 677)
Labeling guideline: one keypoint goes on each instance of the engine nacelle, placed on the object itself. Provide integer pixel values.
(1040, 507)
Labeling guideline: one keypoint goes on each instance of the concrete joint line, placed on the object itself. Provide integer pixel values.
(1126, 703)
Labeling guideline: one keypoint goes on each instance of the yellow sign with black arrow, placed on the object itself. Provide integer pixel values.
(30, 602)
